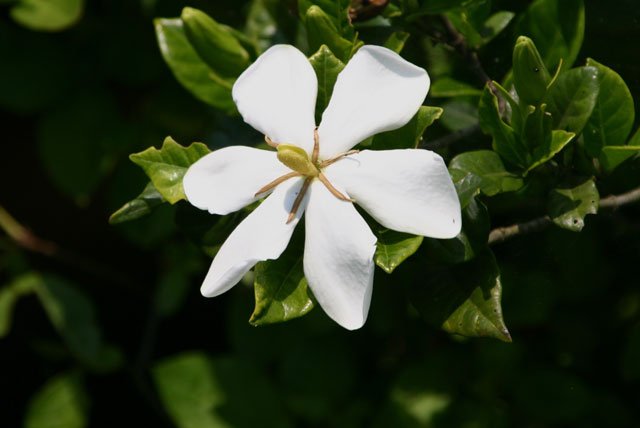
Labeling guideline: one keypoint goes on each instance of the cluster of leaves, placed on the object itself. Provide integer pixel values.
(557, 135)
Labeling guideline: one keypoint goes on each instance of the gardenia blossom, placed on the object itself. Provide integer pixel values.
(314, 172)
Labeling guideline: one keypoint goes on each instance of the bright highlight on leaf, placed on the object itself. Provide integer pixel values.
(314, 172)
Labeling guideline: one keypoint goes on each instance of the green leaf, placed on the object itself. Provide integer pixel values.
(467, 185)
(214, 43)
(613, 113)
(435, 7)
(396, 41)
(572, 98)
(336, 10)
(199, 392)
(488, 166)
(321, 30)
(556, 27)
(464, 299)
(559, 139)
(537, 126)
(166, 166)
(568, 206)
(394, 247)
(505, 140)
(530, 76)
(142, 205)
(188, 68)
(261, 25)
(494, 25)
(459, 114)
(281, 290)
(410, 135)
(47, 15)
(612, 156)
(446, 87)
(327, 68)
(61, 402)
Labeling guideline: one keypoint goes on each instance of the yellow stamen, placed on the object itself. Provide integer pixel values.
(334, 159)
(335, 192)
(277, 181)
(270, 142)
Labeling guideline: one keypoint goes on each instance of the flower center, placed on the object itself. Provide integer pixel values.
(301, 165)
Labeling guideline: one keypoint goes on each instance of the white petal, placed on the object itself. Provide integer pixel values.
(338, 257)
(406, 190)
(263, 235)
(377, 91)
(277, 96)
(227, 179)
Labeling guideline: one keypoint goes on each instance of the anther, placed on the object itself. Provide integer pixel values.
(335, 192)
(277, 181)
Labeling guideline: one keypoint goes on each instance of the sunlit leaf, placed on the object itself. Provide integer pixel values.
(166, 166)
(464, 299)
(613, 113)
(47, 15)
(214, 43)
(188, 68)
(394, 247)
(559, 139)
(569, 205)
(281, 290)
(61, 402)
(327, 68)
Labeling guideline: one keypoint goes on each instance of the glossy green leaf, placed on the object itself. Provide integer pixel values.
(47, 15)
(467, 185)
(214, 43)
(188, 68)
(166, 166)
(505, 141)
(556, 27)
(61, 402)
(281, 290)
(464, 299)
(327, 68)
(559, 139)
(446, 87)
(410, 135)
(568, 206)
(572, 98)
(336, 10)
(612, 156)
(321, 30)
(530, 76)
(613, 113)
(394, 247)
(459, 114)
(396, 41)
(142, 205)
(488, 166)
(199, 392)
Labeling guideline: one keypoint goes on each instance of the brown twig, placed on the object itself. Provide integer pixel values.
(612, 202)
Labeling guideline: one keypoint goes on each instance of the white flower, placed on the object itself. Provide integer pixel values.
(405, 190)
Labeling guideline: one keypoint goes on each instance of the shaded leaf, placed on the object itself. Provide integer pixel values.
(464, 299)
(188, 68)
(214, 43)
(138, 207)
(408, 136)
(9, 296)
(568, 206)
(321, 30)
(559, 139)
(488, 166)
(166, 166)
(612, 156)
(447, 87)
(572, 98)
(281, 290)
(459, 114)
(61, 402)
(199, 392)
(396, 41)
(47, 15)
(613, 113)
(327, 68)
(556, 27)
